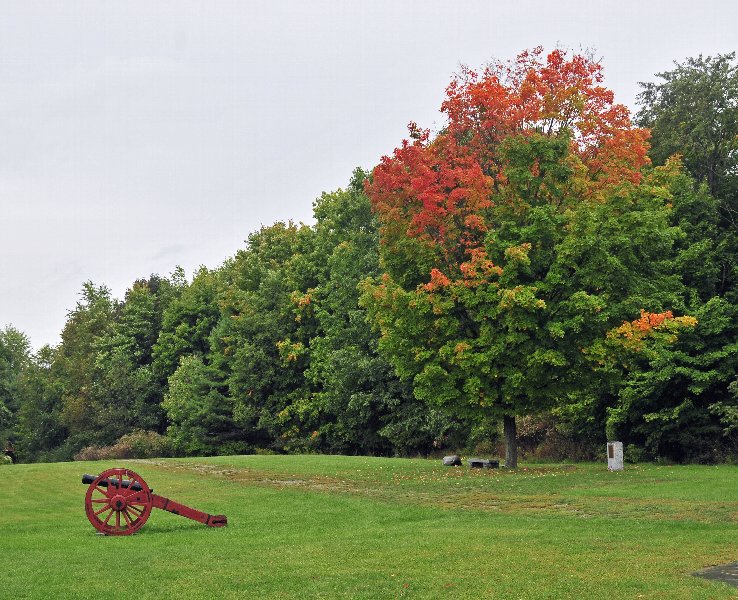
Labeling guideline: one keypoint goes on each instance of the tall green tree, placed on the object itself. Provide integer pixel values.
(186, 323)
(200, 415)
(125, 366)
(693, 111)
(265, 335)
(14, 359)
(363, 406)
(198, 409)
(87, 415)
(41, 432)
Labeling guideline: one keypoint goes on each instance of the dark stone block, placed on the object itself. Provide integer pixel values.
(724, 573)
(481, 463)
(452, 461)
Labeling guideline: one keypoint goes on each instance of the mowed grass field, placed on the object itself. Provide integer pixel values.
(356, 527)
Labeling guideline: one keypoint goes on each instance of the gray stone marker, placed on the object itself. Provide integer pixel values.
(452, 461)
(615, 456)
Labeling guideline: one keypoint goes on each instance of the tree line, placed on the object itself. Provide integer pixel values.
(542, 271)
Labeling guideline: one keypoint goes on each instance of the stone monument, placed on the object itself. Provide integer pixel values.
(615, 456)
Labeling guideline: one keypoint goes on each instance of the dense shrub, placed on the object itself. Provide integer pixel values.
(544, 437)
(138, 444)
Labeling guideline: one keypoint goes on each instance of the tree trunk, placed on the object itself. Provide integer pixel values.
(511, 442)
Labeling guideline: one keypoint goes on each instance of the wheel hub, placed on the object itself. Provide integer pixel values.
(118, 503)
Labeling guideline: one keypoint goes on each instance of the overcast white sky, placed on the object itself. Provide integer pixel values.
(137, 136)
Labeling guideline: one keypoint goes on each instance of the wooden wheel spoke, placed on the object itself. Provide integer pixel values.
(125, 516)
(129, 490)
(103, 509)
(98, 500)
(107, 518)
(134, 516)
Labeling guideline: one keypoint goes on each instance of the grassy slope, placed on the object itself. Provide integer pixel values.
(354, 527)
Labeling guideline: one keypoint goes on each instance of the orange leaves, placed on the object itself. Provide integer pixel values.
(620, 157)
(651, 320)
(479, 269)
(290, 351)
(461, 347)
(631, 334)
(428, 182)
(301, 300)
(438, 280)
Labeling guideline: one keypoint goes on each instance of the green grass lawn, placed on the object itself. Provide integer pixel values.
(355, 527)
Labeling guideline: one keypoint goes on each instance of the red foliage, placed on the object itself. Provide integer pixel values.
(436, 188)
(533, 94)
(439, 190)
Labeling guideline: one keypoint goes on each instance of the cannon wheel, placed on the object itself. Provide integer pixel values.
(118, 510)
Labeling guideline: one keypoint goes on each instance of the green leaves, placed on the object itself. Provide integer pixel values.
(693, 111)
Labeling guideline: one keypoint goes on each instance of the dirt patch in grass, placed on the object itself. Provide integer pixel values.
(463, 489)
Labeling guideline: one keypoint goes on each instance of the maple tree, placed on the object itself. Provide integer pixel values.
(516, 237)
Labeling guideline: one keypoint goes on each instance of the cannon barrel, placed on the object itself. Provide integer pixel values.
(88, 479)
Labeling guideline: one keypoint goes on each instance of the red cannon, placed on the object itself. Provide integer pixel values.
(118, 502)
